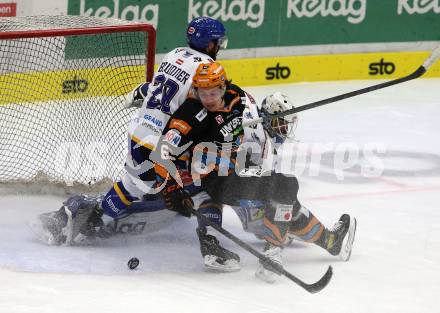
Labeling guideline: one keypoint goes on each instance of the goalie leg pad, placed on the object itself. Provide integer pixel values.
(49, 227)
(71, 223)
(83, 218)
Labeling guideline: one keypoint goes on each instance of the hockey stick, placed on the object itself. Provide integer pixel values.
(277, 268)
(416, 74)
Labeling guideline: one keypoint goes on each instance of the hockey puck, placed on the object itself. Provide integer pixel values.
(133, 263)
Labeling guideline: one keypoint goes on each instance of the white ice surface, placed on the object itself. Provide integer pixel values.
(395, 265)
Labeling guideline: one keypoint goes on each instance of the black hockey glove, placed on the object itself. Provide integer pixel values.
(177, 199)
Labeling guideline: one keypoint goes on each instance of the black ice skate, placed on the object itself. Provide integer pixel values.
(340, 240)
(216, 258)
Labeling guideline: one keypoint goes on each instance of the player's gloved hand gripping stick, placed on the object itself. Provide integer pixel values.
(177, 198)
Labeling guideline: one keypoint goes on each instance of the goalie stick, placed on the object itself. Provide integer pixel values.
(416, 74)
(277, 268)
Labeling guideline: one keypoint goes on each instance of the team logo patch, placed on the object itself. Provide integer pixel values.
(233, 127)
(191, 30)
(219, 119)
(248, 115)
(201, 115)
(283, 213)
(180, 125)
(153, 120)
(173, 137)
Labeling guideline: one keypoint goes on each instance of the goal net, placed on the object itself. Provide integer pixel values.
(62, 86)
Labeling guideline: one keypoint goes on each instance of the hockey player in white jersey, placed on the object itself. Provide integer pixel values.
(123, 209)
(160, 98)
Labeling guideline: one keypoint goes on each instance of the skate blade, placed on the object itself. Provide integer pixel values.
(347, 243)
(212, 265)
(265, 275)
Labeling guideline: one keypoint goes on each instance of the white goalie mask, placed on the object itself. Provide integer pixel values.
(279, 127)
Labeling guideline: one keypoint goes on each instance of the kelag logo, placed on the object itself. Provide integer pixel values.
(251, 11)
(75, 85)
(277, 72)
(382, 67)
(138, 11)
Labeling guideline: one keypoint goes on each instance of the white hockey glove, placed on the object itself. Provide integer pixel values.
(136, 97)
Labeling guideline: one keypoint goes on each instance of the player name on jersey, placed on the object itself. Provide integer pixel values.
(173, 70)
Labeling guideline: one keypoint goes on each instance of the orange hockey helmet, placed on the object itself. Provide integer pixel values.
(210, 75)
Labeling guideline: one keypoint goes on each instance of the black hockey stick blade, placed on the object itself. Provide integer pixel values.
(278, 268)
(315, 287)
(435, 55)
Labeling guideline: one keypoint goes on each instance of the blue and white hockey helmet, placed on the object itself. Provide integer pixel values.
(202, 30)
(279, 128)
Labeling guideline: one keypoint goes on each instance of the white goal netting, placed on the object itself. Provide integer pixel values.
(62, 85)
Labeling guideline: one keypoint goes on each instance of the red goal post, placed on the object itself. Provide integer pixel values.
(57, 32)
